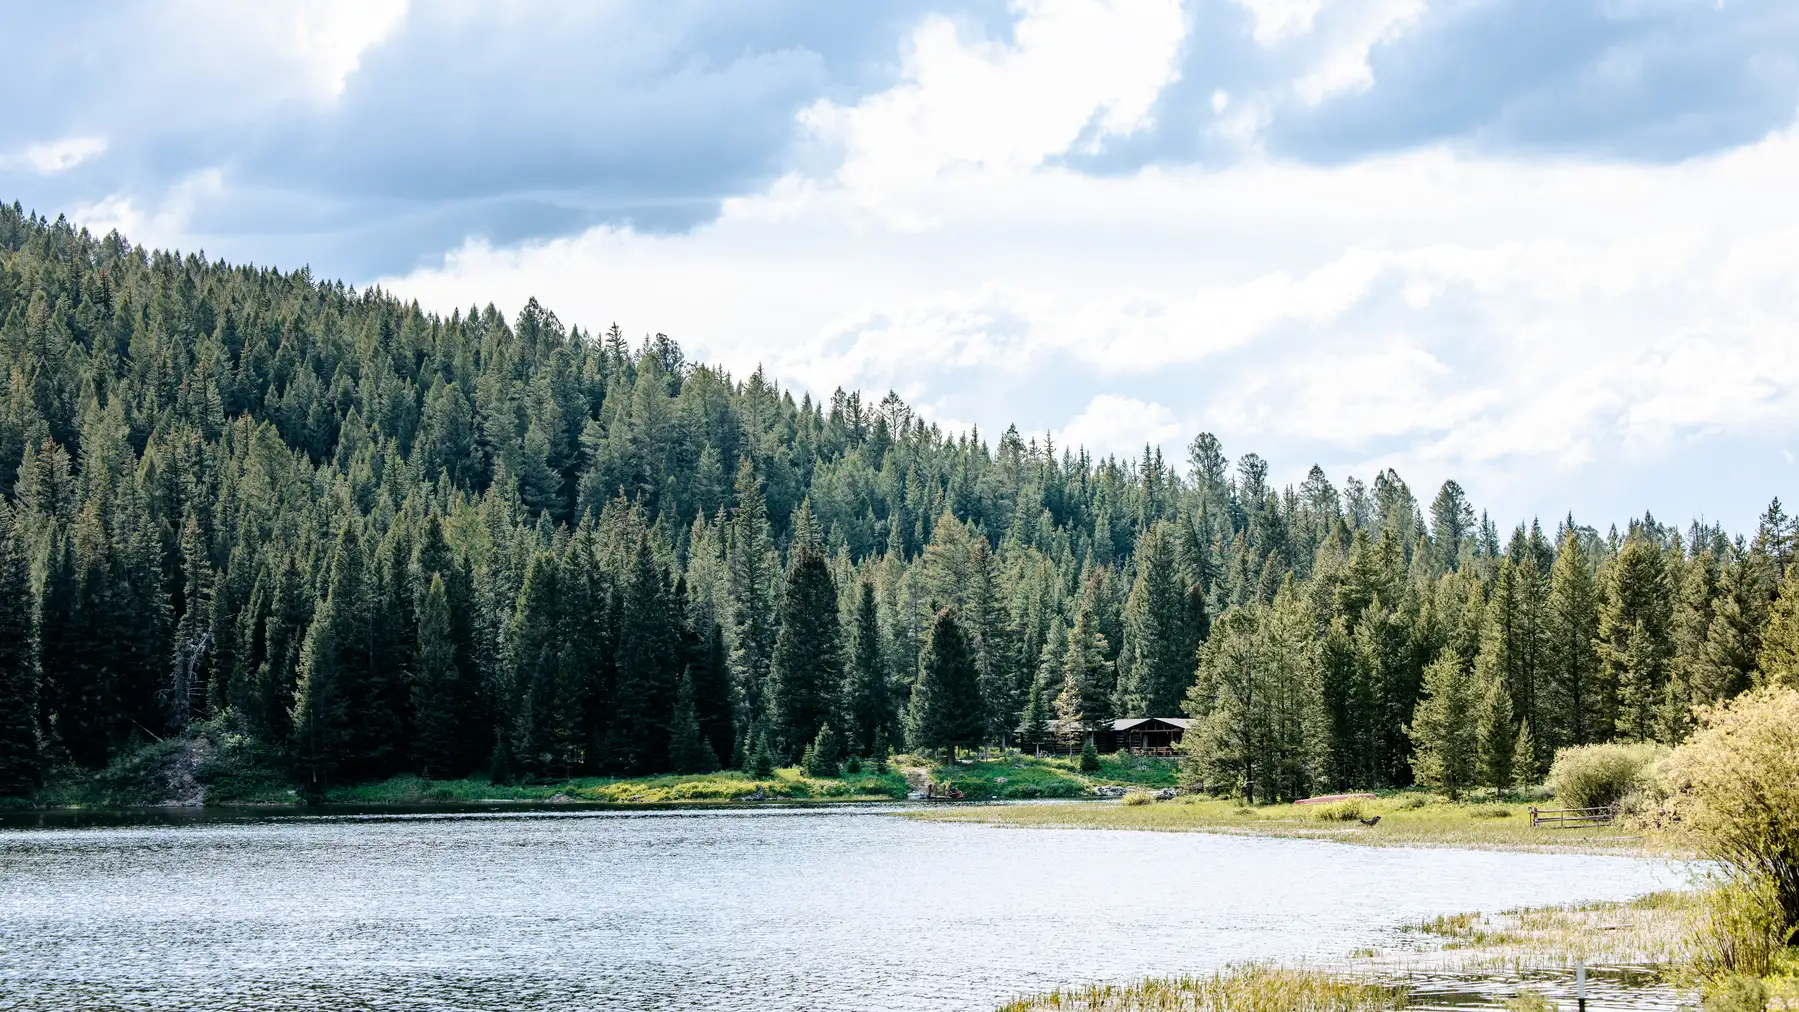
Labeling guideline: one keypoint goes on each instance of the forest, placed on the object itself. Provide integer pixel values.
(378, 540)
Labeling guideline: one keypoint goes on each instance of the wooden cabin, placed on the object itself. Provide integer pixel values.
(1144, 735)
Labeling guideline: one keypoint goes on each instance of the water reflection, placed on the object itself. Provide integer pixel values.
(714, 909)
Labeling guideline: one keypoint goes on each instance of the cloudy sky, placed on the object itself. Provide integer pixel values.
(1547, 247)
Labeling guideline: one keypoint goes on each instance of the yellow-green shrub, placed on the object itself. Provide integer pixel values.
(1139, 798)
(1338, 811)
(1593, 776)
(1733, 794)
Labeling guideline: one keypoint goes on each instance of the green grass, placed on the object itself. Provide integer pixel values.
(699, 788)
(1253, 988)
(1022, 777)
(1406, 819)
(1656, 929)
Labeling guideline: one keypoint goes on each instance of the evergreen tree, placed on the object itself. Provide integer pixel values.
(947, 711)
(1636, 637)
(1160, 631)
(319, 721)
(1445, 727)
(753, 566)
(711, 676)
(437, 688)
(20, 761)
(1778, 662)
(1733, 641)
(688, 749)
(1089, 756)
(808, 659)
(1527, 767)
(864, 700)
(1034, 731)
(648, 647)
(1582, 702)
(1498, 738)
(825, 754)
(1087, 677)
(762, 760)
(1515, 641)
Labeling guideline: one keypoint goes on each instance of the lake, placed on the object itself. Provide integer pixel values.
(718, 909)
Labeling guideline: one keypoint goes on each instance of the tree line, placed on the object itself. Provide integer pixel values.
(382, 540)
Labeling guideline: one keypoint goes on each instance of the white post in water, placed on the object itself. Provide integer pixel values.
(1580, 986)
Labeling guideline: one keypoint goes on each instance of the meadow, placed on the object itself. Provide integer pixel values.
(1407, 819)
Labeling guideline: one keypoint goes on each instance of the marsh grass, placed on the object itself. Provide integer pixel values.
(1254, 988)
(1407, 819)
(1657, 929)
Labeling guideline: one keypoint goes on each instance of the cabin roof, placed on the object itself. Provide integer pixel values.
(1137, 723)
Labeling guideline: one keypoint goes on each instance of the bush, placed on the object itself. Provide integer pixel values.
(1089, 757)
(1338, 811)
(1529, 1001)
(1594, 776)
(1489, 812)
(1734, 794)
(1736, 993)
(1139, 798)
(1412, 802)
(1743, 932)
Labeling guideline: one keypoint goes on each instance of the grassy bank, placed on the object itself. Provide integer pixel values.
(1245, 989)
(1021, 777)
(1406, 819)
(698, 788)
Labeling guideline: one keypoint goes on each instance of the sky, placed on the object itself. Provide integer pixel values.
(1548, 248)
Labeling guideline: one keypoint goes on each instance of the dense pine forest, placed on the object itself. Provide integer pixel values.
(376, 540)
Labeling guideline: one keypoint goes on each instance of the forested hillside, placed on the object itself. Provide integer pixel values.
(383, 541)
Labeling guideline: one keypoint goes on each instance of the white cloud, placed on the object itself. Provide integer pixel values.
(1076, 67)
(1111, 424)
(1478, 317)
(316, 44)
(164, 225)
(1342, 63)
(1281, 19)
(51, 157)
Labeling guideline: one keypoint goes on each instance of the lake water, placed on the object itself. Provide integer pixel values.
(718, 909)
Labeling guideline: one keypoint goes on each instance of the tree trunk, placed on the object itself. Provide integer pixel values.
(949, 756)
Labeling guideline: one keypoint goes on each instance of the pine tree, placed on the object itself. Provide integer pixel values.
(1528, 769)
(711, 675)
(1636, 637)
(1160, 631)
(825, 754)
(1498, 738)
(1733, 640)
(1089, 756)
(1445, 727)
(319, 721)
(947, 711)
(762, 761)
(1778, 663)
(808, 659)
(688, 750)
(644, 696)
(753, 567)
(864, 700)
(20, 759)
(1034, 731)
(1581, 701)
(437, 688)
(1087, 677)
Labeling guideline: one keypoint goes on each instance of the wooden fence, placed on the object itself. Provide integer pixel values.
(1571, 818)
